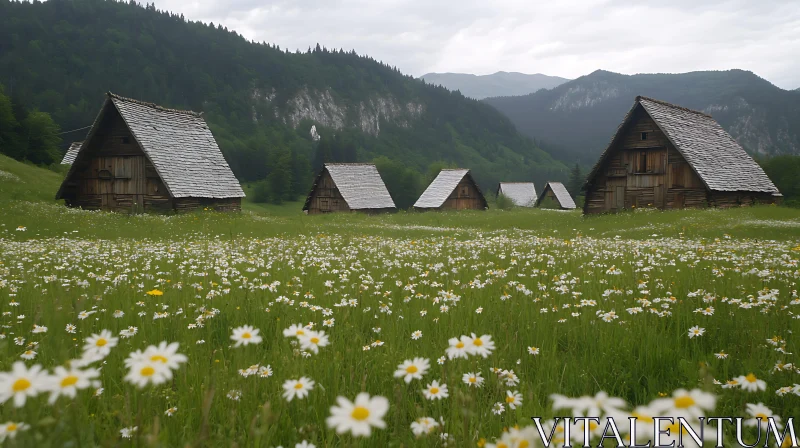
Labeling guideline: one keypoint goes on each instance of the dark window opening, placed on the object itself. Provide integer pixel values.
(126, 140)
(105, 175)
(644, 135)
(642, 162)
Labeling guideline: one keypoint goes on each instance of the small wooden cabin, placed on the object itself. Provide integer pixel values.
(670, 157)
(142, 157)
(453, 189)
(344, 187)
(555, 195)
(71, 153)
(522, 194)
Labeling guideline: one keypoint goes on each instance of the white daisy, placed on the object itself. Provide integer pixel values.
(245, 335)
(435, 391)
(297, 388)
(358, 417)
(412, 369)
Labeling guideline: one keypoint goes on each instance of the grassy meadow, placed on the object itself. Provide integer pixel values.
(558, 303)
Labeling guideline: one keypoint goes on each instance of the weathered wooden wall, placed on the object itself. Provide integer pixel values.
(326, 198)
(113, 173)
(220, 205)
(465, 196)
(644, 172)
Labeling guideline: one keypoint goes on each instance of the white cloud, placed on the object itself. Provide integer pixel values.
(567, 38)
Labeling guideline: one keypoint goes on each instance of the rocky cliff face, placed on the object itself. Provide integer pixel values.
(324, 108)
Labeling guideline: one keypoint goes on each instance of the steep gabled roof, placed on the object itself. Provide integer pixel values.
(523, 194)
(562, 195)
(440, 189)
(720, 162)
(72, 152)
(180, 146)
(360, 185)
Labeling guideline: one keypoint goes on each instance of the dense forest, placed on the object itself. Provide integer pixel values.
(260, 100)
(784, 171)
(29, 135)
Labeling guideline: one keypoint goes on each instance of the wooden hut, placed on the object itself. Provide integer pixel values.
(140, 157)
(522, 194)
(667, 156)
(453, 189)
(344, 187)
(555, 195)
(71, 153)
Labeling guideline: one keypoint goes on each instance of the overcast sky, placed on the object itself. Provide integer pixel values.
(567, 38)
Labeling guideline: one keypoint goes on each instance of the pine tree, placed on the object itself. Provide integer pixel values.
(576, 180)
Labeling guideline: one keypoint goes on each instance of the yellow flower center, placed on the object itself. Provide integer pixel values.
(509, 399)
(21, 385)
(412, 369)
(477, 342)
(501, 445)
(460, 344)
(761, 415)
(158, 358)
(246, 335)
(473, 379)
(434, 390)
(69, 381)
(360, 413)
(751, 378)
(298, 386)
(11, 427)
(523, 444)
(643, 418)
(147, 371)
(101, 342)
(314, 340)
(684, 402)
(300, 332)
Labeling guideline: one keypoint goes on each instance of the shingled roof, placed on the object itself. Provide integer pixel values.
(562, 195)
(440, 189)
(522, 194)
(180, 146)
(72, 152)
(720, 162)
(360, 185)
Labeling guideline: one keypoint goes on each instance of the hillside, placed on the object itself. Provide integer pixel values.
(26, 182)
(496, 84)
(61, 56)
(580, 116)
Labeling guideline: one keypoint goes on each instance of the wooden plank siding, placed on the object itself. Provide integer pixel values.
(642, 168)
(326, 198)
(464, 197)
(112, 171)
(644, 171)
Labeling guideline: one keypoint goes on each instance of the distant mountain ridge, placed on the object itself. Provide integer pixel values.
(496, 84)
(580, 116)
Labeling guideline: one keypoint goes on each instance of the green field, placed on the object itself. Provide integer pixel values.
(606, 303)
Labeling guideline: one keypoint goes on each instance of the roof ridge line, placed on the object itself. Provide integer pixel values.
(674, 106)
(154, 105)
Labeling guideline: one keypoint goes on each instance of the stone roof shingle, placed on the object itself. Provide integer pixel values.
(182, 149)
(71, 153)
(523, 194)
(441, 187)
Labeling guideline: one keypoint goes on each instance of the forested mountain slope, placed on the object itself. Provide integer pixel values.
(581, 115)
(61, 56)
